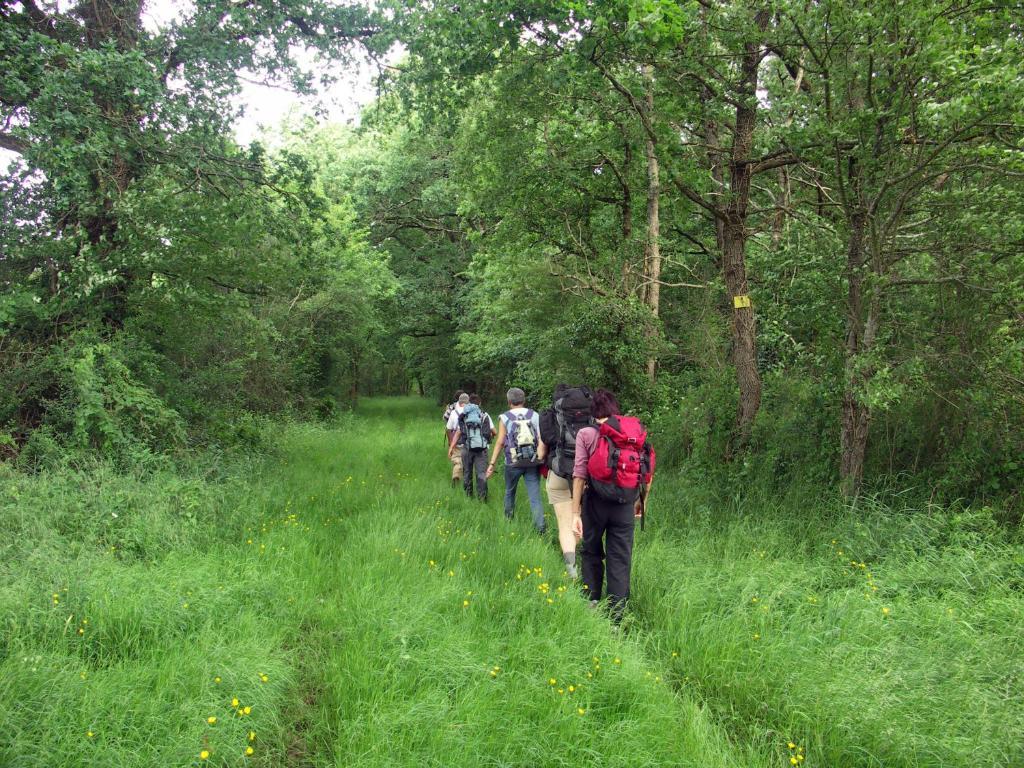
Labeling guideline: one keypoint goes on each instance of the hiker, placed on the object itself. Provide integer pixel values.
(612, 473)
(448, 411)
(475, 432)
(559, 425)
(452, 431)
(519, 435)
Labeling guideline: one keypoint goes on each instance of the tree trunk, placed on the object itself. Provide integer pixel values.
(734, 241)
(744, 349)
(117, 23)
(860, 336)
(652, 246)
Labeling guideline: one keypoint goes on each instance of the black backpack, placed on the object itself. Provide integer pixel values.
(572, 413)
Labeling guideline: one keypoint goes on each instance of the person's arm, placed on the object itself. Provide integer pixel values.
(579, 485)
(542, 448)
(579, 480)
(498, 443)
(454, 441)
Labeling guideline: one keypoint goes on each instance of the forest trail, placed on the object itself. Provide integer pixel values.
(435, 633)
(335, 602)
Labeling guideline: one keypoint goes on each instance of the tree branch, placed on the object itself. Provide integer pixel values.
(13, 143)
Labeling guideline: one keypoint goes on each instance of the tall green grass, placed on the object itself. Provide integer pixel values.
(370, 615)
(359, 611)
(871, 636)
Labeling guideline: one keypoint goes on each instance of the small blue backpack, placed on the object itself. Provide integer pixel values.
(471, 425)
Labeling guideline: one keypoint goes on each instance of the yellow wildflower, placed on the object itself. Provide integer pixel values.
(247, 710)
(252, 735)
(89, 734)
(552, 681)
(234, 702)
(211, 719)
(249, 750)
(204, 755)
(581, 711)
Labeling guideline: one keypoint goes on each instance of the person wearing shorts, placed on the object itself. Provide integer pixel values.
(452, 428)
(560, 497)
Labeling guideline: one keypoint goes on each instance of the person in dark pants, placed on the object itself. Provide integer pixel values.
(519, 435)
(473, 451)
(605, 525)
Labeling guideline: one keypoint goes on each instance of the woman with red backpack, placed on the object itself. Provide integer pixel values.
(612, 477)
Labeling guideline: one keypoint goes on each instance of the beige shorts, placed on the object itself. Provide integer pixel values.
(559, 489)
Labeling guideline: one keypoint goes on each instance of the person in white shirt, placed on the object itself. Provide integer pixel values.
(452, 427)
(519, 436)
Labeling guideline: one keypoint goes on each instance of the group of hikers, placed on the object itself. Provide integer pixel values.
(597, 462)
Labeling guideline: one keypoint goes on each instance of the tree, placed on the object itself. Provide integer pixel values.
(897, 104)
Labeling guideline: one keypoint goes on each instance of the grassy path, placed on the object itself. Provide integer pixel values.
(346, 608)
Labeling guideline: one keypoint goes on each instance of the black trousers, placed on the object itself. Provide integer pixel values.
(607, 547)
(474, 463)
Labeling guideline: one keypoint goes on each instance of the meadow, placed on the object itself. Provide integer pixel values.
(336, 603)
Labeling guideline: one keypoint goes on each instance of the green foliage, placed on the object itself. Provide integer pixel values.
(111, 411)
(156, 277)
(882, 230)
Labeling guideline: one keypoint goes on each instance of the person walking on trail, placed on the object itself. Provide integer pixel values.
(519, 436)
(612, 474)
(475, 431)
(452, 431)
(451, 407)
(559, 425)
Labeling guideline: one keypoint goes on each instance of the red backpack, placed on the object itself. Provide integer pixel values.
(622, 464)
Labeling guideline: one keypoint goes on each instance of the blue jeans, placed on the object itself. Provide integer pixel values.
(531, 476)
